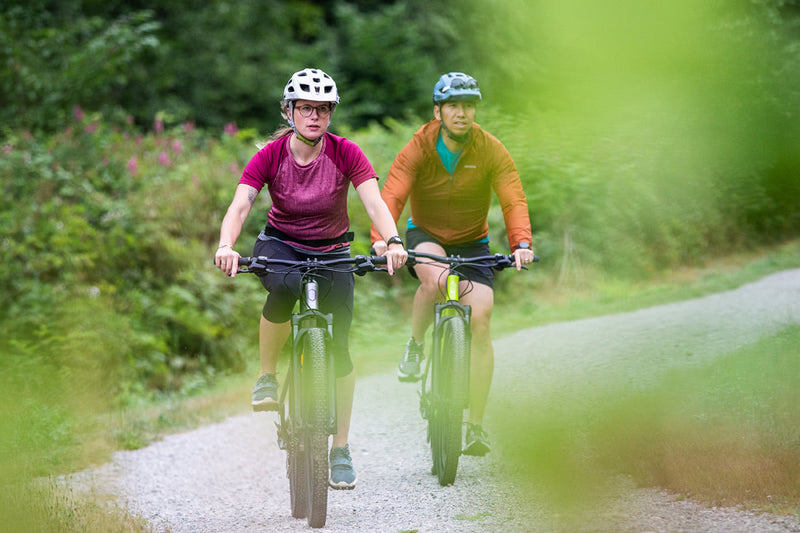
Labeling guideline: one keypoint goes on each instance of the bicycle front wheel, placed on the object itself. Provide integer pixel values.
(450, 390)
(317, 417)
(296, 470)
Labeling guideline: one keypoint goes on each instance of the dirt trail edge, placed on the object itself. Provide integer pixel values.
(230, 477)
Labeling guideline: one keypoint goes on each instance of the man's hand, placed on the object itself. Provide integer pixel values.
(523, 256)
(396, 257)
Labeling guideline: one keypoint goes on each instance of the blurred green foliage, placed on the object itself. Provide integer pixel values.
(724, 432)
(96, 214)
(218, 61)
(647, 136)
(53, 57)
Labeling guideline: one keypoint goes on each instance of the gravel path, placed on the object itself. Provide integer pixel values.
(230, 477)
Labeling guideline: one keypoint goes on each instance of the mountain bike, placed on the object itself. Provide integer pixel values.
(307, 402)
(444, 393)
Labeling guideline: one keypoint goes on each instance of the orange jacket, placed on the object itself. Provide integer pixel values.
(454, 209)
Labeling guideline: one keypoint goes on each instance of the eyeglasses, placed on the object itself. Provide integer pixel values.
(460, 83)
(322, 110)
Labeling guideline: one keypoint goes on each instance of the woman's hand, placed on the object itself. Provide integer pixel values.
(395, 254)
(379, 247)
(227, 259)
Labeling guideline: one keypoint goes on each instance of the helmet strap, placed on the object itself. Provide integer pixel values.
(306, 139)
(457, 138)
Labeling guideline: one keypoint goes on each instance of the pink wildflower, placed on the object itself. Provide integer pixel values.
(231, 129)
(177, 146)
(129, 119)
(91, 127)
(158, 125)
(7, 149)
(188, 126)
(163, 159)
(133, 167)
(77, 112)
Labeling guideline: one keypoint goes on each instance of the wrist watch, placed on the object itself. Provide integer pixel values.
(524, 245)
(395, 240)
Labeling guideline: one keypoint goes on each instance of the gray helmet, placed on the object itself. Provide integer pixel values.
(456, 86)
(311, 84)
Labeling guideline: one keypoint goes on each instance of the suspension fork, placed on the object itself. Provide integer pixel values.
(449, 310)
(311, 317)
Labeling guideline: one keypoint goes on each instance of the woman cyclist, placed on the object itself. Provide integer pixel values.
(307, 172)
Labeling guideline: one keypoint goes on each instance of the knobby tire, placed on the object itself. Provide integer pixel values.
(317, 414)
(450, 394)
(296, 470)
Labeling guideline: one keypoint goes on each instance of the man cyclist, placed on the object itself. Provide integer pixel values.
(448, 172)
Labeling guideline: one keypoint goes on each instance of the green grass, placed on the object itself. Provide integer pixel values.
(544, 301)
(45, 506)
(727, 433)
(535, 298)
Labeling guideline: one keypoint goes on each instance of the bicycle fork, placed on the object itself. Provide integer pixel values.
(451, 309)
(309, 318)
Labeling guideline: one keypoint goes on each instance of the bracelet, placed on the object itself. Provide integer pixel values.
(223, 246)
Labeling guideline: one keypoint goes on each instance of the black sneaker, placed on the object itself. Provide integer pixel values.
(410, 368)
(265, 393)
(343, 475)
(477, 441)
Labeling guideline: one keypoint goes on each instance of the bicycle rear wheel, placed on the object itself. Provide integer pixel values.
(317, 417)
(450, 389)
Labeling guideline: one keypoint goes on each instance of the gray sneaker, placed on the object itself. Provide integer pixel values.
(477, 441)
(410, 368)
(265, 393)
(343, 475)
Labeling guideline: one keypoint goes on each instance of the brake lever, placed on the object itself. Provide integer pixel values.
(363, 265)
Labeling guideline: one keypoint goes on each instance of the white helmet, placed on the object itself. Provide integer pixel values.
(311, 84)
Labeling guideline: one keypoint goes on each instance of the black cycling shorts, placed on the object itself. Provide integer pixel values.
(475, 274)
(335, 294)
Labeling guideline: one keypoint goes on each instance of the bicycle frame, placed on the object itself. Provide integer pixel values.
(309, 317)
(447, 310)
(444, 398)
(310, 384)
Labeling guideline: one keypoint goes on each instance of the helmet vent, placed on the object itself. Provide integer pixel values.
(311, 84)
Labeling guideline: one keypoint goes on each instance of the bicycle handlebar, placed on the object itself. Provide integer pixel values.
(496, 261)
(359, 264)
